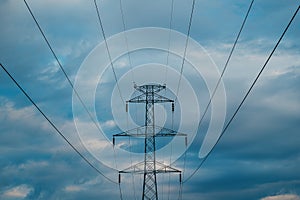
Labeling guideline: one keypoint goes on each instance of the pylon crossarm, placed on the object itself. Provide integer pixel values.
(158, 171)
(137, 168)
(156, 99)
(132, 132)
(135, 132)
(167, 132)
(165, 168)
(138, 99)
(161, 99)
(160, 168)
(140, 132)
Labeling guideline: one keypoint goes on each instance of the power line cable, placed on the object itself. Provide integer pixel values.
(247, 93)
(180, 191)
(166, 73)
(169, 39)
(185, 48)
(169, 178)
(107, 49)
(226, 64)
(126, 39)
(54, 54)
(120, 191)
(54, 126)
(61, 67)
(181, 72)
(132, 76)
(111, 62)
(131, 164)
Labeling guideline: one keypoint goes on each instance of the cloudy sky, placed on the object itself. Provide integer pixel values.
(257, 158)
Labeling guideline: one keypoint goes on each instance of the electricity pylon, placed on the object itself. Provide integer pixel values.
(150, 166)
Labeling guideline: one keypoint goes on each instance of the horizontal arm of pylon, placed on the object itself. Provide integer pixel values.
(160, 168)
(132, 132)
(156, 99)
(138, 99)
(140, 132)
(161, 99)
(167, 132)
(137, 168)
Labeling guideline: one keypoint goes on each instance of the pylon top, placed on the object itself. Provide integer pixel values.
(149, 94)
(150, 87)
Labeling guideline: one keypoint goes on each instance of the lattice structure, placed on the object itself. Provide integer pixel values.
(150, 167)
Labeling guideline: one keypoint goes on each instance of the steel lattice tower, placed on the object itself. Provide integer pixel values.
(150, 166)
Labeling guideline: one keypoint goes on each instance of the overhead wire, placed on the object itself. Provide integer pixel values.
(107, 50)
(59, 64)
(247, 93)
(114, 72)
(111, 63)
(169, 39)
(180, 191)
(54, 126)
(184, 168)
(132, 76)
(120, 192)
(126, 39)
(226, 64)
(165, 81)
(131, 162)
(169, 180)
(127, 48)
(61, 67)
(185, 48)
(180, 77)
